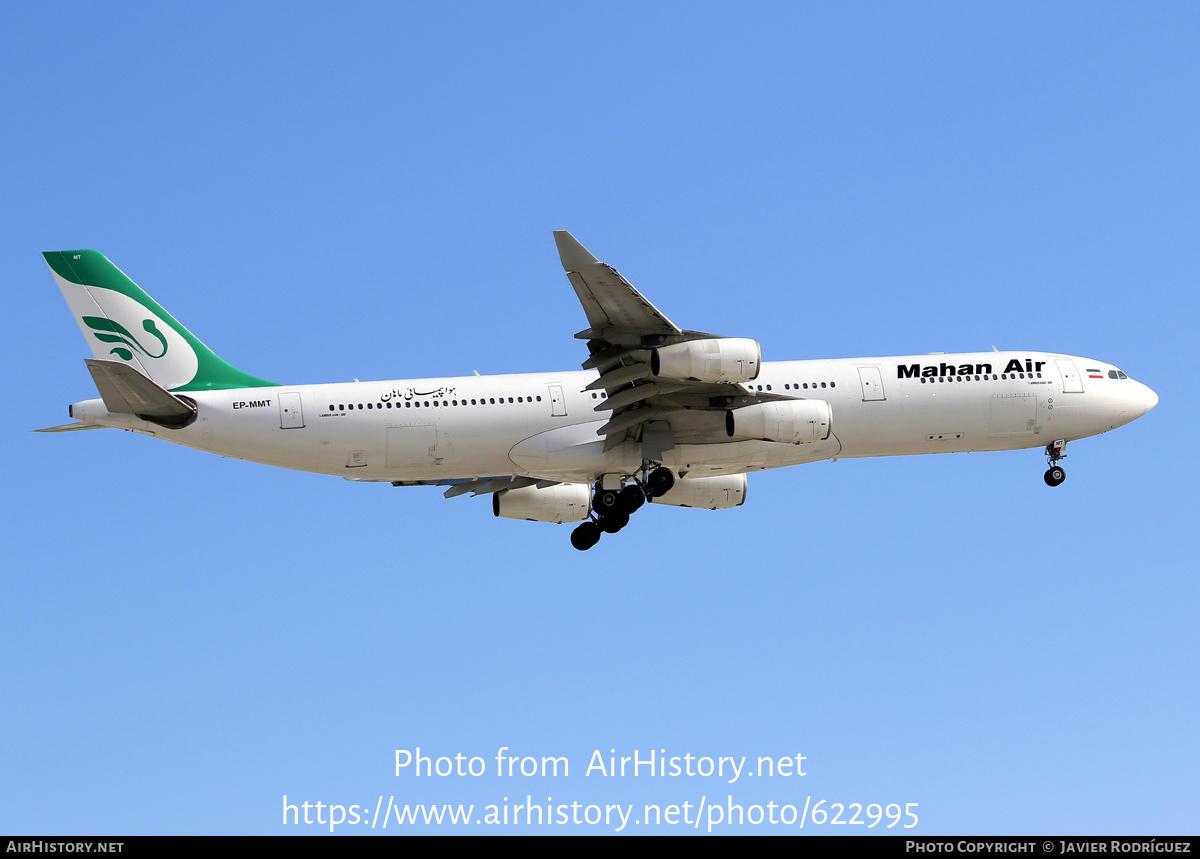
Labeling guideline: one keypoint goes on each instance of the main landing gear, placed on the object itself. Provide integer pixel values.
(1054, 452)
(611, 508)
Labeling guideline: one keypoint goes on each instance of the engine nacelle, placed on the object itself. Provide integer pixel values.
(789, 421)
(711, 493)
(728, 359)
(563, 502)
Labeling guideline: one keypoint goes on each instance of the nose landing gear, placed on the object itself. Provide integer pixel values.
(1055, 474)
(611, 508)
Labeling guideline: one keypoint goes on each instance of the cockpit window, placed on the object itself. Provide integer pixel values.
(1112, 374)
(1121, 375)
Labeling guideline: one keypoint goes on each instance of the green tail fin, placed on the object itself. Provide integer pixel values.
(121, 322)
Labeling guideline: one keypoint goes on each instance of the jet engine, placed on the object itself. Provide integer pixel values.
(788, 421)
(562, 502)
(726, 359)
(711, 493)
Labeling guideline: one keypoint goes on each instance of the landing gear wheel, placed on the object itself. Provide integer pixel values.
(606, 501)
(585, 536)
(611, 523)
(1054, 475)
(659, 482)
(632, 498)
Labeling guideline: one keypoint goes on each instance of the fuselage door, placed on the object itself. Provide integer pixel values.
(872, 384)
(291, 415)
(1072, 381)
(410, 446)
(558, 403)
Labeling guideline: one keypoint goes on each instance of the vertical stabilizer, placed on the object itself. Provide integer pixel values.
(122, 323)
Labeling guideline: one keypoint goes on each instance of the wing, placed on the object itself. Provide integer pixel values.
(624, 330)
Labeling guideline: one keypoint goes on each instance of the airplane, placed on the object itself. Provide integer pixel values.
(658, 413)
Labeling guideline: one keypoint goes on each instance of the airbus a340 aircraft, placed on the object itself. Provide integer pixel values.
(658, 412)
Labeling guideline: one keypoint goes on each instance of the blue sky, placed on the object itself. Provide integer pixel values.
(368, 191)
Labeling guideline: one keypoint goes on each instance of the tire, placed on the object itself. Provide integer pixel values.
(585, 536)
(632, 498)
(1054, 475)
(660, 482)
(606, 501)
(613, 522)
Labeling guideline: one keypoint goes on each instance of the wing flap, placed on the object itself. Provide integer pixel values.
(488, 485)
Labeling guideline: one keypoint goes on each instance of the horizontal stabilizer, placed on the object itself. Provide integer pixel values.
(126, 391)
(75, 427)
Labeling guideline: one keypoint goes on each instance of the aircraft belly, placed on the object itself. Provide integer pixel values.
(573, 453)
(704, 460)
(915, 421)
(576, 454)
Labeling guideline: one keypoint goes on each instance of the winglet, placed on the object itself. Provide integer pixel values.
(571, 252)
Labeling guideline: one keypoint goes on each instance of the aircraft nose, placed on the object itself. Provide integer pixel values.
(1151, 398)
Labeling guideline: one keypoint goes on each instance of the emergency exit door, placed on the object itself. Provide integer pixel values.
(872, 383)
(291, 415)
(1072, 383)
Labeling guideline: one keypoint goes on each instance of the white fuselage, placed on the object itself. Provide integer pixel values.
(544, 425)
